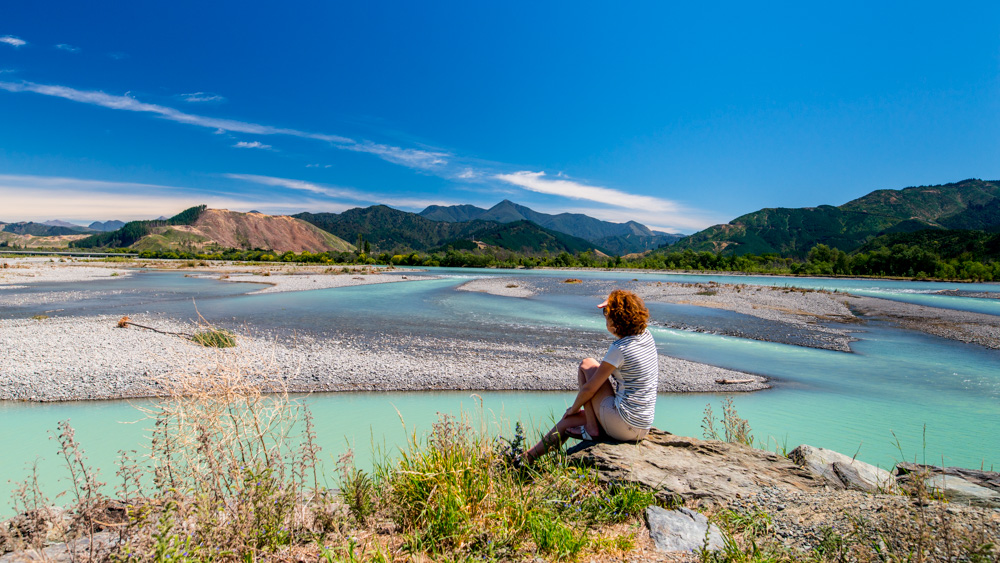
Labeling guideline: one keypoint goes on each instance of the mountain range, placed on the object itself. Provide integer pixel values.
(55, 228)
(616, 238)
(970, 204)
(390, 230)
(882, 216)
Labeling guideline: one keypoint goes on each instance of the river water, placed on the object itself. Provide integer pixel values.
(899, 395)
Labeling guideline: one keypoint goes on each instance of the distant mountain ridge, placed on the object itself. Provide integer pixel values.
(58, 223)
(55, 228)
(42, 229)
(969, 204)
(619, 238)
(106, 226)
(393, 230)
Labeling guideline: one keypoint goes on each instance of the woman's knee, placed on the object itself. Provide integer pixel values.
(589, 364)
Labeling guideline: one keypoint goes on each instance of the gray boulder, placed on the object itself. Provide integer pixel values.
(960, 491)
(681, 469)
(988, 479)
(682, 530)
(843, 472)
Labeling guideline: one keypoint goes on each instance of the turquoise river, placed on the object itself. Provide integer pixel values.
(899, 395)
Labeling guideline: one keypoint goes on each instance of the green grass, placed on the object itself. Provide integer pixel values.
(454, 496)
(215, 338)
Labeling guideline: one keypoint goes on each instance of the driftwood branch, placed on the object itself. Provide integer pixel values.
(734, 381)
(124, 323)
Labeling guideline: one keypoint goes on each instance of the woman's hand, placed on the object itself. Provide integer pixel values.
(570, 412)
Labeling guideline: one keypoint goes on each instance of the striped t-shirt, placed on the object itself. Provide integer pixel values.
(637, 374)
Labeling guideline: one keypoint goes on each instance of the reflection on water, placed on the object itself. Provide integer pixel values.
(877, 402)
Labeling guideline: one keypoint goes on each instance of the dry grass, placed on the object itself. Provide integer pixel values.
(232, 474)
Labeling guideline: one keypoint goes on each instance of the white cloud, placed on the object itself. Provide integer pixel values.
(341, 193)
(200, 97)
(67, 48)
(39, 198)
(537, 182)
(301, 185)
(318, 165)
(118, 56)
(468, 174)
(656, 213)
(412, 158)
(13, 41)
(252, 145)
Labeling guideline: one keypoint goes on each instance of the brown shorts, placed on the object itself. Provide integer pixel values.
(615, 425)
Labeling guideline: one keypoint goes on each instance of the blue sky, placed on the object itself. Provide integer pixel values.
(677, 116)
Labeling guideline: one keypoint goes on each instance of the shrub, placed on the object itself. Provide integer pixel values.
(215, 338)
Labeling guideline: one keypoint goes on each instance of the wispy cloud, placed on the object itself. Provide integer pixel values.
(301, 185)
(538, 182)
(341, 193)
(67, 48)
(13, 41)
(40, 198)
(202, 97)
(252, 145)
(118, 56)
(412, 158)
(656, 213)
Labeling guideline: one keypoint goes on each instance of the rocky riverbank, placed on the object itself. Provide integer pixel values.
(813, 501)
(79, 358)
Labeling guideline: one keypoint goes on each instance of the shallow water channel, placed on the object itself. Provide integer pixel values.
(899, 395)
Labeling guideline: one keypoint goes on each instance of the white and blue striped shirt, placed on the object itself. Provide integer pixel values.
(637, 374)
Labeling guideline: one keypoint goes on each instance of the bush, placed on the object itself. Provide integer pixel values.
(215, 338)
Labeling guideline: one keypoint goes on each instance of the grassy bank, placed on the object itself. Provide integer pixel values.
(231, 474)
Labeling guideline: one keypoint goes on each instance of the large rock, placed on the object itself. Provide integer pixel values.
(842, 471)
(956, 484)
(960, 491)
(683, 469)
(682, 530)
(988, 479)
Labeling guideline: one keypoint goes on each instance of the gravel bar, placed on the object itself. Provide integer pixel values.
(82, 358)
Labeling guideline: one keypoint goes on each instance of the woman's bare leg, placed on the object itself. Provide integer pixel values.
(587, 370)
(586, 417)
(555, 437)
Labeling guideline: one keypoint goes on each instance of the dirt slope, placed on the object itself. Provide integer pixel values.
(280, 233)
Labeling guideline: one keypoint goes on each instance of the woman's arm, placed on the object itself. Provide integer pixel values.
(590, 388)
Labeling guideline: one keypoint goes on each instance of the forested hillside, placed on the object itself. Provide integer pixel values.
(385, 229)
(793, 232)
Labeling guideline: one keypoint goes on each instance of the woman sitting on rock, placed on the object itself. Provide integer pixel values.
(624, 411)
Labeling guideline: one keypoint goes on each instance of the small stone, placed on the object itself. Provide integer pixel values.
(682, 530)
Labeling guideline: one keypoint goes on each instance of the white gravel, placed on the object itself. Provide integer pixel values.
(283, 282)
(74, 358)
(21, 271)
(505, 287)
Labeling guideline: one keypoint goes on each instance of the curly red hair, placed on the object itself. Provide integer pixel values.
(627, 312)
